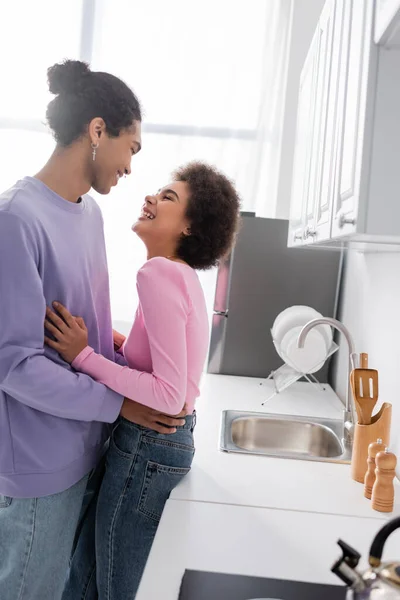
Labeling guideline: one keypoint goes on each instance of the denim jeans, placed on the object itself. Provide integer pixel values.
(36, 539)
(142, 467)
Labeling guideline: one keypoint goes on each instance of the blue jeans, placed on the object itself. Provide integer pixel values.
(36, 539)
(142, 467)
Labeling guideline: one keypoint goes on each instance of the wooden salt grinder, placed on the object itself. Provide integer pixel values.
(383, 490)
(369, 480)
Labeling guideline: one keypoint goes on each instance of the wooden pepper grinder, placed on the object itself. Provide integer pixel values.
(383, 489)
(369, 479)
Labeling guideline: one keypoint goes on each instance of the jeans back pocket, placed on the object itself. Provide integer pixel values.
(159, 481)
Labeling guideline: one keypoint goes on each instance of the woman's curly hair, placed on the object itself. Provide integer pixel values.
(213, 213)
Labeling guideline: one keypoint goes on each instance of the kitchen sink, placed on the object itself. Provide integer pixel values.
(284, 436)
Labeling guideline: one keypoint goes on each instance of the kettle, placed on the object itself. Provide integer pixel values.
(381, 581)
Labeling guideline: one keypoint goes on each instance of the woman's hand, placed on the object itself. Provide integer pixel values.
(71, 335)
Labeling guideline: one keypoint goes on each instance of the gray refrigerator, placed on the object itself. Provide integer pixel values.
(260, 278)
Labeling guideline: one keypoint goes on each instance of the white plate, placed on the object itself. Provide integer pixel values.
(296, 316)
(292, 317)
(308, 359)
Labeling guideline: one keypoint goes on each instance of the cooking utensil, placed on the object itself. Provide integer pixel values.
(353, 391)
(364, 384)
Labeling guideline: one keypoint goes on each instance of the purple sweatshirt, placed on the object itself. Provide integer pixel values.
(52, 419)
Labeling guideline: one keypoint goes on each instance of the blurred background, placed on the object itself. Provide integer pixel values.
(211, 77)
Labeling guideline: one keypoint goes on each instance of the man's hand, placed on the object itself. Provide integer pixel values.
(119, 339)
(152, 419)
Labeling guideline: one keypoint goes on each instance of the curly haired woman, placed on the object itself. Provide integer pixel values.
(189, 224)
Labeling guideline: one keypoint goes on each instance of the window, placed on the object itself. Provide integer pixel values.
(33, 36)
(210, 76)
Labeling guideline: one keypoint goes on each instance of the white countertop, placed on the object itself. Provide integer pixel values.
(251, 541)
(243, 479)
(254, 515)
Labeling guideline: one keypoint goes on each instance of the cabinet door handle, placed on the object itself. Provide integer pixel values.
(343, 220)
(309, 233)
(297, 236)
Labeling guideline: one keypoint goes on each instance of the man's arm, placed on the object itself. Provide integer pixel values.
(119, 340)
(26, 373)
(150, 418)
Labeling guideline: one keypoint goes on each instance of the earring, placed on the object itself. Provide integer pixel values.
(94, 148)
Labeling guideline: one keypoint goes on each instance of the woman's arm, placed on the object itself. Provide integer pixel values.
(165, 307)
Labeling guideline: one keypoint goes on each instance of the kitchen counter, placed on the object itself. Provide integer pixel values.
(244, 479)
(256, 515)
(251, 541)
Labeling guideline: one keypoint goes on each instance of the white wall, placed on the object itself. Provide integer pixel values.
(305, 16)
(370, 308)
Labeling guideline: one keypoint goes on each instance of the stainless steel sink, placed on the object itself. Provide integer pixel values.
(284, 436)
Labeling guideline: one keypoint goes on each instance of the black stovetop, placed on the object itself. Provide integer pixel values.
(202, 585)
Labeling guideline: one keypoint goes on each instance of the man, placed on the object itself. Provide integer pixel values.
(52, 420)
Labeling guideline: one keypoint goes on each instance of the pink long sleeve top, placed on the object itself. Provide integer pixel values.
(167, 346)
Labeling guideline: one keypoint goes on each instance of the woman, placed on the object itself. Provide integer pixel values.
(190, 224)
(53, 421)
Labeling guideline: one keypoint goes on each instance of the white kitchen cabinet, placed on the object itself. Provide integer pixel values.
(312, 130)
(354, 166)
(354, 97)
(303, 145)
(387, 23)
(329, 53)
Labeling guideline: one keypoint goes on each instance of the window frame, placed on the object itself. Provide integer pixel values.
(85, 53)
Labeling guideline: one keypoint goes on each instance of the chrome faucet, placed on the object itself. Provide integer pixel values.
(349, 415)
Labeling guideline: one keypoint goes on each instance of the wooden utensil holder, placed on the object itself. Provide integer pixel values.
(364, 435)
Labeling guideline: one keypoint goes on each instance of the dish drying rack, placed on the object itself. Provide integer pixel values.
(286, 375)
